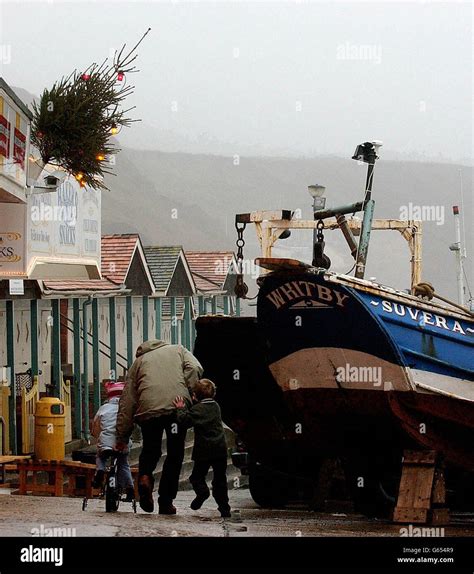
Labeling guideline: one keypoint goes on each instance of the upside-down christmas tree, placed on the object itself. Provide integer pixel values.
(73, 122)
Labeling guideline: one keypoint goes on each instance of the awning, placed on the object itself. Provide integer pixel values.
(47, 268)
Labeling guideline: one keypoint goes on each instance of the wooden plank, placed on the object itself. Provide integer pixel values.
(419, 457)
(439, 516)
(439, 489)
(59, 482)
(410, 515)
(23, 476)
(12, 458)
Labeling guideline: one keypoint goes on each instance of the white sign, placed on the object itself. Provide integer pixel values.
(17, 287)
(65, 224)
(12, 239)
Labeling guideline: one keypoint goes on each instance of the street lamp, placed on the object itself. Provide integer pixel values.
(319, 201)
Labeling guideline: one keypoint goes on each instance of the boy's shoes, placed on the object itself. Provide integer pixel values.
(98, 479)
(198, 502)
(225, 512)
(129, 494)
(166, 508)
(145, 492)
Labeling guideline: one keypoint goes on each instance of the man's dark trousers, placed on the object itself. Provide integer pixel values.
(219, 481)
(152, 432)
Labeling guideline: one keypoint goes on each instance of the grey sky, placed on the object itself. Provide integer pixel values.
(294, 78)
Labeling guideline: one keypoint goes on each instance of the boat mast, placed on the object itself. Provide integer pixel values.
(367, 153)
(460, 253)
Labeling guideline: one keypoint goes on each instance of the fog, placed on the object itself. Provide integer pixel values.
(289, 78)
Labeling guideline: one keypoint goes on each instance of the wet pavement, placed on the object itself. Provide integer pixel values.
(28, 515)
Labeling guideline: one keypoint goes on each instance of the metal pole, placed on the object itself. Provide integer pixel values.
(11, 363)
(174, 322)
(85, 371)
(145, 318)
(315, 233)
(193, 333)
(56, 342)
(34, 337)
(457, 248)
(201, 305)
(95, 354)
(77, 367)
(366, 227)
(158, 317)
(112, 339)
(129, 317)
(187, 323)
(226, 305)
(237, 307)
(214, 305)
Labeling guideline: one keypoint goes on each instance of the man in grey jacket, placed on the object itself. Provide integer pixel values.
(160, 372)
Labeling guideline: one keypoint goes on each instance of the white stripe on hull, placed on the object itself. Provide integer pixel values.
(444, 385)
(334, 368)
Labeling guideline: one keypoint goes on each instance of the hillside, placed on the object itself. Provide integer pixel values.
(191, 199)
(208, 190)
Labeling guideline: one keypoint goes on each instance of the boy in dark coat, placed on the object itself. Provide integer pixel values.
(210, 449)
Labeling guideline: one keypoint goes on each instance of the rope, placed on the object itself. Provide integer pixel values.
(427, 291)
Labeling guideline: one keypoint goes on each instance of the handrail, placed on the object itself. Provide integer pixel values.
(100, 340)
(3, 425)
(90, 342)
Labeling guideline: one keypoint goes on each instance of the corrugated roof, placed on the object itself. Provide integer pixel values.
(162, 262)
(210, 268)
(116, 255)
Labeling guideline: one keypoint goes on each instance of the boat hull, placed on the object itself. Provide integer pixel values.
(367, 366)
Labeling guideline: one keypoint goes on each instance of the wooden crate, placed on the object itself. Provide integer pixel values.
(65, 477)
(31, 469)
(422, 493)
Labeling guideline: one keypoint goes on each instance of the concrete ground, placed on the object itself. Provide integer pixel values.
(20, 514)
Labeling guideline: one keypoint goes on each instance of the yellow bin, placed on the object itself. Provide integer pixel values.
(49, 429)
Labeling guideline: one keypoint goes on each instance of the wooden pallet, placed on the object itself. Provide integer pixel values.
(422, 493)
(8, 462)
(79, 477)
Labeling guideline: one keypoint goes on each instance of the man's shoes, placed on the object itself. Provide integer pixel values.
(129, 494)
(145, 492)
(166, 508)
(198, 502)
(98, 479)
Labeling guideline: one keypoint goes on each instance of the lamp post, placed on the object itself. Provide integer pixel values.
(319, 202)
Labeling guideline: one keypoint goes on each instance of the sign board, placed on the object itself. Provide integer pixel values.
(65, 223)
(16, 287)
(60, 228)
(12, 240)
(14, 143)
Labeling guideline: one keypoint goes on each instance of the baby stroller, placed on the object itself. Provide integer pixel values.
(110, 490)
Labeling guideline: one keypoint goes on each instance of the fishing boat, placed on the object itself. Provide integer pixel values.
(341, 367)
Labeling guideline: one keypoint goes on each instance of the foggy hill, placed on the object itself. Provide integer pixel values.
(209, 190)
(191, 199)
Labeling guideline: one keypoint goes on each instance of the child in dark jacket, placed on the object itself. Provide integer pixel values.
(210, 448)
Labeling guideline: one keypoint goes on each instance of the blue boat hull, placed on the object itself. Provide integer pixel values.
(370, 363)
